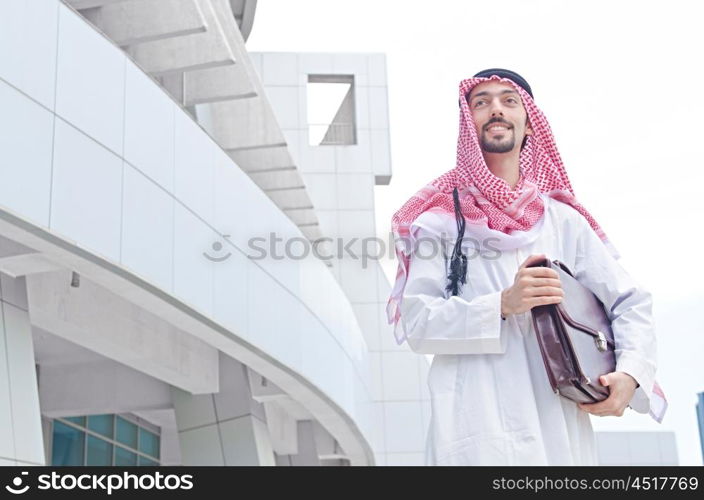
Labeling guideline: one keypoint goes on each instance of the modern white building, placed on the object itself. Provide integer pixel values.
(146, 160)
(637, 448)
(142, 152)
(700, 419)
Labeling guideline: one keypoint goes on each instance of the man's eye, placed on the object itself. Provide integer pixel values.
(477, 103)
(512, 100)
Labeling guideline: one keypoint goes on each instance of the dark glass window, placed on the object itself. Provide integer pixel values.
(126, 432)
(148, 443)
(102, 424)
(68, 444)
(124, 457)
(99, 452)
(103, 440)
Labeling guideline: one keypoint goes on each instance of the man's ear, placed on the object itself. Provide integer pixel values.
(529, 129)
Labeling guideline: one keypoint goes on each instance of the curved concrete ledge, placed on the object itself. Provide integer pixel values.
(125, 189)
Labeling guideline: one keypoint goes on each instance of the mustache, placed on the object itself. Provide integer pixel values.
(496, 120)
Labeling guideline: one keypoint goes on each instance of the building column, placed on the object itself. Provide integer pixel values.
(21, 438)
(307, 452)
(227, 428)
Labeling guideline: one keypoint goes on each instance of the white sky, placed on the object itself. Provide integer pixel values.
(620, 83)
(323, 102)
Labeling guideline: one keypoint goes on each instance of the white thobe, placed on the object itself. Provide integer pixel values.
(491, 400)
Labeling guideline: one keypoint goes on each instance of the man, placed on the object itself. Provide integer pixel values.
(464, 290)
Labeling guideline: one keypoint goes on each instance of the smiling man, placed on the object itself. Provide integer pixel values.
(498, 134)
(503, 122)
(464, 290)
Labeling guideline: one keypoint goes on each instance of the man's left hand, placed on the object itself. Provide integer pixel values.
(621, 389)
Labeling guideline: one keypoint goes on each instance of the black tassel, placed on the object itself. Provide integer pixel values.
(458, 262)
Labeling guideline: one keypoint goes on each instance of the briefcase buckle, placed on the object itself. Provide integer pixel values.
(600, 341)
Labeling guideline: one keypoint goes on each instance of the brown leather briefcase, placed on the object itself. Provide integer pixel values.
(575, 339)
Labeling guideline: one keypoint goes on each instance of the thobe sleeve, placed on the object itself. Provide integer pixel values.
(629, 307)
(436, 323)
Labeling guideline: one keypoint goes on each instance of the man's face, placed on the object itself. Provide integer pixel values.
(499, 115)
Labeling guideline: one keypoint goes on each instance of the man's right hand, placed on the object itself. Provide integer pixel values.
(532, 286)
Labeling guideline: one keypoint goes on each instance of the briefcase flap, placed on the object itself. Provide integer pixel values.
(581, 318)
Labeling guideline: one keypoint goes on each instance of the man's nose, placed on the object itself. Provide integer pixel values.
(497, 109)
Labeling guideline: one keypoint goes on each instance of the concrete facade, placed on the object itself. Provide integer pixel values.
(20, 420)
(139, 160)
(637, 448)
(340, 181)
(141, 149)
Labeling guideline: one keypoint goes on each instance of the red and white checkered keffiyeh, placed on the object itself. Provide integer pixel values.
(488, 200)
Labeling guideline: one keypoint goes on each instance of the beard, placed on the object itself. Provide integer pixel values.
(503, 145)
